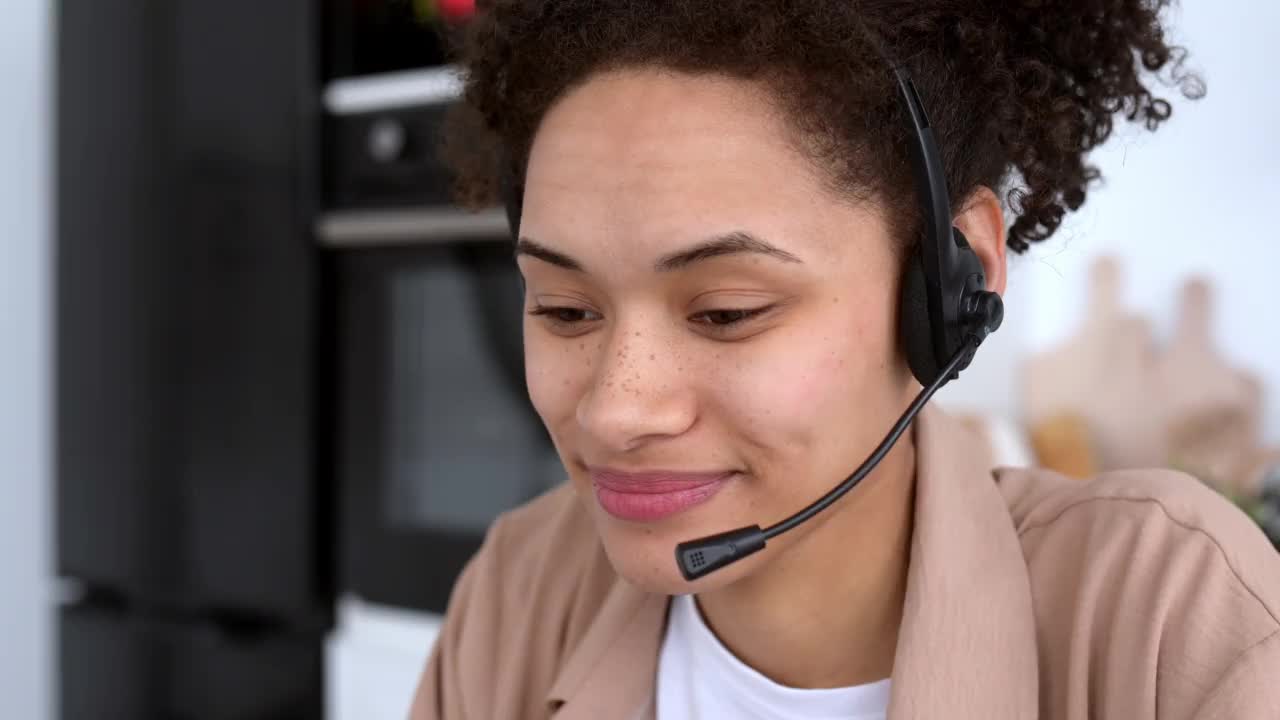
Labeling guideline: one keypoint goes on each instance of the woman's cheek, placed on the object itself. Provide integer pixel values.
(556, 372)
(780, 395)
(543, 374)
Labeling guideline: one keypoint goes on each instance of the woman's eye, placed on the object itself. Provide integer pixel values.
(572, 319)
(725, 317)
(564, 315)
(728, 318)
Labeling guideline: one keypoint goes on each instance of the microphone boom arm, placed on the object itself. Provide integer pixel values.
(700, 557)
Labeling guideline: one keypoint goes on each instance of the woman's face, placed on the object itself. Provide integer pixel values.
(698, 301)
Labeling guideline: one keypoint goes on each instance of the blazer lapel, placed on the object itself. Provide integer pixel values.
(967, 646)
(612, 672)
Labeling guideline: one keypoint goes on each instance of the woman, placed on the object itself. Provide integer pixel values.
(718, 205)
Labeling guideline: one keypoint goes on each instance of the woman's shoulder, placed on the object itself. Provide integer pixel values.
(1133, 508)
(1146, 573)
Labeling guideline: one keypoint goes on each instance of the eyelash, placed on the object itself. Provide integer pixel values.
(744, 315)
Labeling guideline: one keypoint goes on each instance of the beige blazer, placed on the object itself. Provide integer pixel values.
(1135, 595)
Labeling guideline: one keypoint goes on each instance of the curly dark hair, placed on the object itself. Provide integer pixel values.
(1018, 91)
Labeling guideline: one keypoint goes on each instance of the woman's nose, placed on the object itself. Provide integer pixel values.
(640, 392)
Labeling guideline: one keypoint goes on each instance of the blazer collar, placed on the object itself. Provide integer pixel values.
(967, 646)
(612, 672)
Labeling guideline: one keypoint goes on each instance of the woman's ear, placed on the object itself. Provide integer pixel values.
(982, 221)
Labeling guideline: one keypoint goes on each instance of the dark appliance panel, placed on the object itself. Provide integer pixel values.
(186, 285)
(371, 37)
(437, 432)
(117, 665)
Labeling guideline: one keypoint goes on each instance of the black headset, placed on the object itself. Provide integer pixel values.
(945, 300)
(946, 312)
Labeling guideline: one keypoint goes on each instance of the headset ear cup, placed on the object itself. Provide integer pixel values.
(914, 323)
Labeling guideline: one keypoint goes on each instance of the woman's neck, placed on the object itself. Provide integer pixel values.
(825, 612)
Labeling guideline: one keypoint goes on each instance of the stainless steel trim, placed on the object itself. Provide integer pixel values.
(389, 91)
(361, 228)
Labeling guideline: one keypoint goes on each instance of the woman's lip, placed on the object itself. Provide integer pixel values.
(653, 495)
(653, 481)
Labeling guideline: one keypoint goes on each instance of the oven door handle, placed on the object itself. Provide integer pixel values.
(388, 227)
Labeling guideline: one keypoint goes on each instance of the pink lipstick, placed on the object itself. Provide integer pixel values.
(654, 494)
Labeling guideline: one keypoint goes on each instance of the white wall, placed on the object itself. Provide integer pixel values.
(1199, 196)
(25, 619)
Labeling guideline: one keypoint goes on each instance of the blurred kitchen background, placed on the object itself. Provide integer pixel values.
(262, 389)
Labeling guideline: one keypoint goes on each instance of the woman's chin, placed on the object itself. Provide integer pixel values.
(645, 557)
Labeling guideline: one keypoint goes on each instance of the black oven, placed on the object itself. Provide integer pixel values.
(433, 432)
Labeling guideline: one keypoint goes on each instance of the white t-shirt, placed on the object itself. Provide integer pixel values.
(699, 679)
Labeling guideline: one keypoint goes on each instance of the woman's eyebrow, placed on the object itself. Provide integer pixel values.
(728, 244)
(535, 249)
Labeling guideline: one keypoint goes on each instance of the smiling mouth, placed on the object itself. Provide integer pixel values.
(653, 495)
